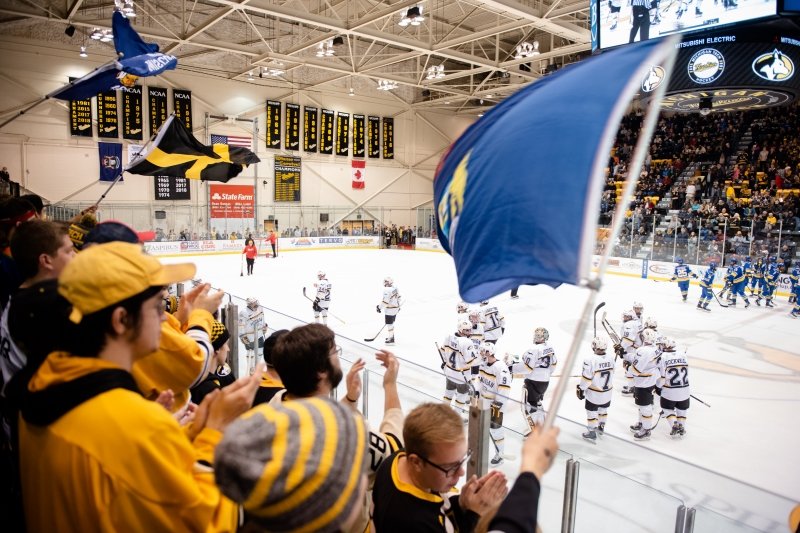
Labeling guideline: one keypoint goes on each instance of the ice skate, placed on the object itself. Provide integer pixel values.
(746, 303)
(795, 315)
(636, 427)
(769, 303)
(642, 434)
(676, 431)
(758, 301)
(497, 460)
(601, 428)
(698, 13)
(627, 391)
(590, 436)
(389, 340)
(681, 430)
(612, 28)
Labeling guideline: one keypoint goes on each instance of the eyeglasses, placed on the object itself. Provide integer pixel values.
(338, 350)
(447, 471)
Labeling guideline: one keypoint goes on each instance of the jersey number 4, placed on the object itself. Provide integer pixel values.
(678, 377)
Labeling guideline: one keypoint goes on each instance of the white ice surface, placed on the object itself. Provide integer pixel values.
(744, 363)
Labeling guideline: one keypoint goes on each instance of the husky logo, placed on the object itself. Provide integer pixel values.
(706, 66)
(110, 162)
(652, 79)
(452, 202)
(774, 66)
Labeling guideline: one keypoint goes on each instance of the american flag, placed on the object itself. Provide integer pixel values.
(244, 141)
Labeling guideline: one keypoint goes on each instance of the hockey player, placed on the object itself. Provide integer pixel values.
(638, 310)
(747, 266)
(390, 305)
(596, 383)
(673, 387)
(645, 371)
(651, 324)
(459, 356)
(537, 365)
(630, 340)
(462, 309)
(477, 327)
(771, 275)
(254, 328)
(682, 274)
(735, 279)
(494, 324)
(683, 7)
(796, 293)
(794, 278)
(495, 388)
(323, 298)
(757, 280)
(707, 286)
(614, 7)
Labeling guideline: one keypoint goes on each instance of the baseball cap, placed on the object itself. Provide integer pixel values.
(106, 274)
(295, 466)
(111, 231)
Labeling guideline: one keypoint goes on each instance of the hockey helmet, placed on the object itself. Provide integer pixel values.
(772, 259)
(487, 349)
(679, 260)
(599, 344)
(628, 314)
(484, 303)
(540, 335)
(321, 275)
(474, 316)
(388, 281)
(733, 261)
(638, 307)
(667, 344)
(462, 307)
(252, 303)
(463, 326)
(747, 258)
(712, 265)
(649, 336)
(650, 323)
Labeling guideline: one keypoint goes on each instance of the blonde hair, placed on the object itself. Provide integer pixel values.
(429, 425)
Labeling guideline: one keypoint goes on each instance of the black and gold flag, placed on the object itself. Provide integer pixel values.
(176, 153)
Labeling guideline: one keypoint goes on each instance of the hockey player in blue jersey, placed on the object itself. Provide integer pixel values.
(794, 278)
(771, 276)
(796, 294)
(707, 286)
(736, 279)
(682, 274)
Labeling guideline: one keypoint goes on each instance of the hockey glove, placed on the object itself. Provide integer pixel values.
(378, 308)
(626, 364)
(580, 392)
(658, 390)
(672, 279)
(619, 350)
(316, 307)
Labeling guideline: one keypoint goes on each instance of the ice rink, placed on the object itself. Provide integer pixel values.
(738, 457)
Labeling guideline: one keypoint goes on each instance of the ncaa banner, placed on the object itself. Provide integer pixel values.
(292, 127)
(342, 133)
(310, 129)
(157, 98)
(388, 138)
(358, 136)
(182, 104)
(110, 160)
(374, 135)
(232, 201)
(273, 124)
(132, 119)
(80, 116)
(107, 122)
(326, 127)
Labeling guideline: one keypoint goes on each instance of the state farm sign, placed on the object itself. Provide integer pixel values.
(232, 201)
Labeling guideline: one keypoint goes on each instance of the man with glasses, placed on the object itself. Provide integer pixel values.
(412, 488)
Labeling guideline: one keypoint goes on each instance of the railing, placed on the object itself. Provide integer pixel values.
(616, 486)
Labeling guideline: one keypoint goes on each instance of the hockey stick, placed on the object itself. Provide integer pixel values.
(699, 400)
(610, 330)
(241, 267)
(660, 416)
(718, 300)
(334, 316)
(596, 309)
(379, 331)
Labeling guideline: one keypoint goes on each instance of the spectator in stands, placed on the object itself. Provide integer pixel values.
(271, 381)
(222, 375)
(83, 407)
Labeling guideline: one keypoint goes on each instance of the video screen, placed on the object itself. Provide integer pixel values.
(627, 21)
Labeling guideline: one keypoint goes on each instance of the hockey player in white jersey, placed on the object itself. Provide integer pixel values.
(477, 327)
(673, 387)
(459, 356)
(323, 298)
(597, 382)
(462, 309)
(494, 324)
(390, 305)
(651, 323)
(638, 310)
(252, 329)
(495, 388)
(537, 365)
(645, 372)
(630, 340)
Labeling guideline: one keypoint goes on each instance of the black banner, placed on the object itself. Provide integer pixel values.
(326, 129)
(182, 105)
(80, 117)
(287, 178)
(157, 100)
(388, 138)
(107, 121)
(358, 135)
(132, 119)
(342, 133)
(374, 136)
(273, 124)
(310, 129)
(167, 188)
(292, 127)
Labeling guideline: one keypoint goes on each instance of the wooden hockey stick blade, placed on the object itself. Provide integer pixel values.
(376, 335)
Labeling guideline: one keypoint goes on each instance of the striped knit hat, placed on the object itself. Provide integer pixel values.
(296, 466)
(219, 335)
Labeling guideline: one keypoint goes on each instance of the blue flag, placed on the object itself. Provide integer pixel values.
(110, 160)
(137, 59)
(518, 194)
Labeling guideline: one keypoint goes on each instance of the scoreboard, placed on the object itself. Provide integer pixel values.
(287, 178)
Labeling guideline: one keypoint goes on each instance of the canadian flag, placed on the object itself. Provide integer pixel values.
(358, 173)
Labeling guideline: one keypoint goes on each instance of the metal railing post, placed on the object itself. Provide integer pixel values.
(365, 394)
(230, 317)
(570, 505)
(478, 440)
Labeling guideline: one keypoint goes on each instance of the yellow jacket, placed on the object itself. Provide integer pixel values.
(180, 363)
(114, 461)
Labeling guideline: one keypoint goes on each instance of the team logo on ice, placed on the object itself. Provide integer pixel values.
(774, 66)
(652, 79)
(706, 66)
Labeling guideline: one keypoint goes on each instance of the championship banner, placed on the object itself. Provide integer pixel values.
(310, 129)
(132, 119)
(287, 178)
(292, 127)
(342, 133)
(326, 127)
(107, 122)
(273, 124)
(157, 100)
(374, 136)
(388, 138)
(167, 188)
(182, 105)
(80, 116)
(358, 136)
(232, 201)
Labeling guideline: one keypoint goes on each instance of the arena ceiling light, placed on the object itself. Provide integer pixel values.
(387, 85)
(103, 35)
(274, 69)
(412, 17)
(435, 72)
(527, 49)
(83, 52)
(325, 49)
(126, 8)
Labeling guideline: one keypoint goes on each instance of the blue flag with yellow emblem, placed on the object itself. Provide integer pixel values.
(518, 194)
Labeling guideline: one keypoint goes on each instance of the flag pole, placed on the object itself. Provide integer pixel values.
(642, 147)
